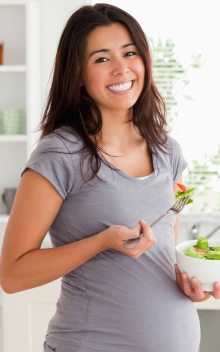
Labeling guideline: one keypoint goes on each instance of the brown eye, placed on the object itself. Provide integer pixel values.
(101, 59)
(131, 53)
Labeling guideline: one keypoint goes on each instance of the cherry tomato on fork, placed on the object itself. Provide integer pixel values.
(182, 187)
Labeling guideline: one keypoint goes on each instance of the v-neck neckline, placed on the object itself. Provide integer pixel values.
(151, 177)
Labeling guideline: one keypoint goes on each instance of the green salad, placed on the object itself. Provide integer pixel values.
(202, 250)
(184, 192)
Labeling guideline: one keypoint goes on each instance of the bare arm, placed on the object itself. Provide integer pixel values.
(24, 265)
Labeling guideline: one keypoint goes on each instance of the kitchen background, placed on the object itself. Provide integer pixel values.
(185, 51)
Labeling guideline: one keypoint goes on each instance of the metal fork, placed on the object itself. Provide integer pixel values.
(175, 209)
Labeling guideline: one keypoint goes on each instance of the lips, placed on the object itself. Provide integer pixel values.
(120, 87)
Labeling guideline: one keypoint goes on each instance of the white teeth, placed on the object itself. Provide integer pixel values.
(120, 87)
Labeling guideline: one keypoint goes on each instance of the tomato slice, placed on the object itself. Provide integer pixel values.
(182, 187)
(202, 250)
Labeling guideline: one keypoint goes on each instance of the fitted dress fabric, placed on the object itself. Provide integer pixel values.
(113, 303)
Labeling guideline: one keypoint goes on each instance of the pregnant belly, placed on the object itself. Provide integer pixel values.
(166, 324)
(153, 320)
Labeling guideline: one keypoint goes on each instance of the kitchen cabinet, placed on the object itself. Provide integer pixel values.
(26, 316)
(19, 87)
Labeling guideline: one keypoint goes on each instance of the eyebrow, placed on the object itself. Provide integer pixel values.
(108, 50)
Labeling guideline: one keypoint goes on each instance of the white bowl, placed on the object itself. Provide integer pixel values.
(206, 271)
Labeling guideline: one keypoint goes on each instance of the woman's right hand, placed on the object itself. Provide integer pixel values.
(116, 235)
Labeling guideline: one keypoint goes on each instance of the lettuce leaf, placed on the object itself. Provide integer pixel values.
(180, 194)
(190, 252)
(210, 253)
(202, 243)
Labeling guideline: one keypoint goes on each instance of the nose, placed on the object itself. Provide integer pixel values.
(120, 67)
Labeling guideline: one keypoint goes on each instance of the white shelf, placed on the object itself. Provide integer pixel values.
(13, 68)
(12, 2)
(4, 219)
(13, 138)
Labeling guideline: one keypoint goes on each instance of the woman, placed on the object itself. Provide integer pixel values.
(104, 168)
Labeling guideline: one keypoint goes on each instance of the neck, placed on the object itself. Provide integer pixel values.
(119, 139)
(116, 126)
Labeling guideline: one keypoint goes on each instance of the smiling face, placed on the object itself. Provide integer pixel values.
(113, 71)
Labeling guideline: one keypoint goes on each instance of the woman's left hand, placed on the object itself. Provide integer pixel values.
(193, 289)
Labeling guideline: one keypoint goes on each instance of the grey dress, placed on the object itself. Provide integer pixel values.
(113, 303)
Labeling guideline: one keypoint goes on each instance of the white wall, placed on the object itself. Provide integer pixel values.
(54, 15)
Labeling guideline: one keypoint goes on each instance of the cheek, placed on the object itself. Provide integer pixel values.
(92, 82)
(142, 73)
(140, 70)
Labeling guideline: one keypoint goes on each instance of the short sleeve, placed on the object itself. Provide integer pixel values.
(178, 162)
(52, 159)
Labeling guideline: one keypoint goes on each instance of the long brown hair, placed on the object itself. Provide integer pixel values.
(69, 104)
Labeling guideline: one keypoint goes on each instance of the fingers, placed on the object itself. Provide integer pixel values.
(138, 227)
(178, 276)
(191, 287)
(147, 231)
(133, 233)
(147, 240)
(199, 294)
(186, 286)
(216, 290)
(140, 230)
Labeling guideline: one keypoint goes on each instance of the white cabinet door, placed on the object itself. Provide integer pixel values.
(26, 315)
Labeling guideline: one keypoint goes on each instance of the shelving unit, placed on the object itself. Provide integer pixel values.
(19, 86)
(12, 68)
(3, 219)
(13, 138)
